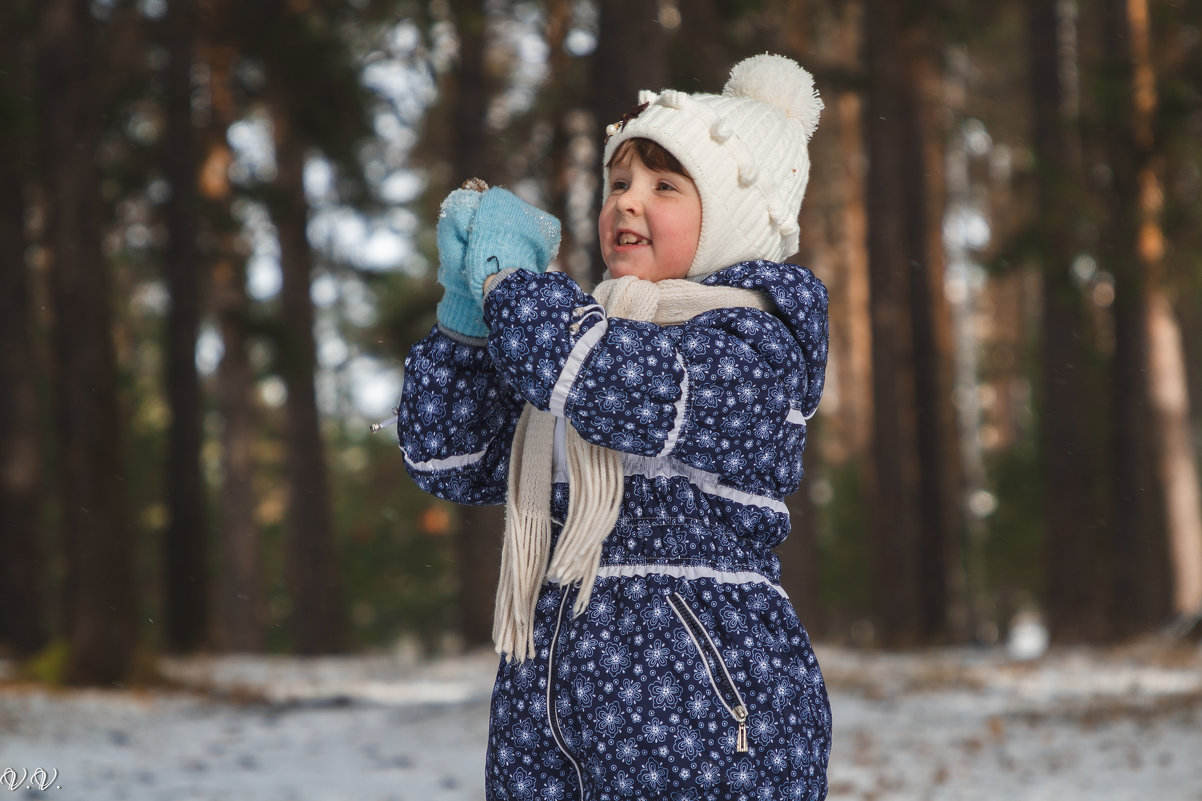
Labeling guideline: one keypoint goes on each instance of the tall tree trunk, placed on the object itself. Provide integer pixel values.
(893, 479)
(317, 615)
(574, 150)
(478, 536)
(935, 437)
(22, 615)
(97, 538)
(857, 329)
(1168, 392)
(1137, 599)
(185, 547)
(240, 602)
(1070, 556)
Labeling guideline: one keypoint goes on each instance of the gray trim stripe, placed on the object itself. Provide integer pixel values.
(652, 466)
(690, 573)
(681, 407)
(571, 367)
(796, 417)
(449, 463)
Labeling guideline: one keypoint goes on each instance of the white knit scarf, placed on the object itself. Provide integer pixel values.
(595, 475)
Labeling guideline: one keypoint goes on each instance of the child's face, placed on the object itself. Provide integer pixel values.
(650, 224)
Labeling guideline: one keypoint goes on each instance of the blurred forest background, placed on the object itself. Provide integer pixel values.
(216, 246)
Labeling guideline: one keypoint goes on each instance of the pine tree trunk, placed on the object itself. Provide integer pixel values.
(1168, 391)
(893, 477)
(240, 606)
(97, 538)
(185, 547)
(1138, 597)
(1071, 555)
(478, 536)
(317, 615)
(22, 570)
(240, 603)
(923, 182)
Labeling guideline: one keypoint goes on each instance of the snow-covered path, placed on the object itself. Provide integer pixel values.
(951, 724)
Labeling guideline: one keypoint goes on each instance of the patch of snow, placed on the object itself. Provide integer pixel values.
(937, 725)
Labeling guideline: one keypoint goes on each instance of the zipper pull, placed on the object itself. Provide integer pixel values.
(740, 713)
(374, 427)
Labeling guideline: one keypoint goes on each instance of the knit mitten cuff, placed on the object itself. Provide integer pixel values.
(461, 312)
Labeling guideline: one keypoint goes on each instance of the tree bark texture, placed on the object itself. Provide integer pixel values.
(924, 182)
(317, 615)
(1168, 387)
(97, 538)
(1070, 465)
(240, 606)
(910, 475)
(185, 546)
(1138, 591)
(23, 625)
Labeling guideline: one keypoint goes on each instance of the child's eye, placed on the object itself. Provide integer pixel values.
(665, 185)
(617, 185)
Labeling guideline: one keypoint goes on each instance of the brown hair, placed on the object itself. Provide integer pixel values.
(653, 155)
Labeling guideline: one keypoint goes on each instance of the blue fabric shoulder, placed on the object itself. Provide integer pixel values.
(801, 300)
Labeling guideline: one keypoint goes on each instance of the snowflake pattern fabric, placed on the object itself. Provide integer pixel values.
(625, 703)
(636, 697)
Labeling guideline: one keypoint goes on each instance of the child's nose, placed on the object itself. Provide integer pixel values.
(632, 201)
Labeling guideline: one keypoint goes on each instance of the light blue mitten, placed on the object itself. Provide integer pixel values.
(508, 232)
(459, 310)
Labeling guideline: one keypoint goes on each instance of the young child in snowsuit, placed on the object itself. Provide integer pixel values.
(643, 438)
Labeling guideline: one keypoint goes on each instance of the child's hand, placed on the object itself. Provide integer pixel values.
(508, 232)
(459, 310)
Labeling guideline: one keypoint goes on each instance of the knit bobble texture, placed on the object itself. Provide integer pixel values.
(780, 81)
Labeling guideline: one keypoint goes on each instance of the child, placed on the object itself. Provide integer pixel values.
(643, 440)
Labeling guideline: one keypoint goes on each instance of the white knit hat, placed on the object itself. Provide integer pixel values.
(746, 150)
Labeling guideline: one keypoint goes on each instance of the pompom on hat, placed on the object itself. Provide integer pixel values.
(746, 150)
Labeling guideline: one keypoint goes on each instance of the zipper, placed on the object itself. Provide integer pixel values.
(552, 714)
(374, 427)
(697, 632)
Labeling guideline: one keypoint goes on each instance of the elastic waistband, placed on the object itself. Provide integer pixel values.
(690, 573)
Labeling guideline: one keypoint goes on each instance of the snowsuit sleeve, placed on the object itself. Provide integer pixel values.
(456, 421)
(727, 392)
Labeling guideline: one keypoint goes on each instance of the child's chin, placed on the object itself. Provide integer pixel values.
(622, 270)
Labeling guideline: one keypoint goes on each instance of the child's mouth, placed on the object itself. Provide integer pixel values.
(626, 238)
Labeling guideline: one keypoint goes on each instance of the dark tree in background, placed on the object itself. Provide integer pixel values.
(896, 256)
(1171, 441)
(185, 546)
(23, 624)
(470, 89)
(1136, 541)
(239, 586)
(312, 565)
(317, 105)
(1072, 517)
(100, 599)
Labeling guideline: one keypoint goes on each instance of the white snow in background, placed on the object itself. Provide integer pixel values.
(1115, 725)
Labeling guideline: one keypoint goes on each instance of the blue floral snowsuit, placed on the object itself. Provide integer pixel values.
(689, 675)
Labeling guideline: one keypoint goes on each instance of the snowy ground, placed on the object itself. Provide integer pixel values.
(950, 724)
